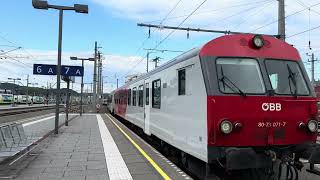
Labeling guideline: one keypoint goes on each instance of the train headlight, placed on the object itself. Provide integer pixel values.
(258, 41)
(313, 125)
(226, 126)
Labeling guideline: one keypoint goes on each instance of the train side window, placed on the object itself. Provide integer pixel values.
(182, 82)
(147, 93)
(134, 96)
(129, 97)
(140, 96)
(156, 94)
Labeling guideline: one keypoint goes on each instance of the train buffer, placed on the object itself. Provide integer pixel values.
(96, 146)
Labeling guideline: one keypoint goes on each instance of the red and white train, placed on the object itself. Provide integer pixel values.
(241, 103)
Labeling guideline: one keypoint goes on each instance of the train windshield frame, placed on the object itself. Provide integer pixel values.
(239, 76)
(286, 77)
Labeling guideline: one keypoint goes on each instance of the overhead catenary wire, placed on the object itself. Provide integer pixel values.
(236, 14)
(6, 52)
(158, 44)
(302, 32)
(16, 45)
(292, 14)
(167, 15)
(20, 63)
(142, 45)
(164, 39)
(258, 11)
(213, 10)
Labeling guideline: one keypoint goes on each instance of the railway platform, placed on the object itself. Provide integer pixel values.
(94, 146)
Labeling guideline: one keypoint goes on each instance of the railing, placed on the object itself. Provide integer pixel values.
(13, 140)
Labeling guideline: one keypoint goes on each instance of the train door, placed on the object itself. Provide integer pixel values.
(147, 107)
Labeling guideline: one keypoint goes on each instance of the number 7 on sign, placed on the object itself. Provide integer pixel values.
(67, 70)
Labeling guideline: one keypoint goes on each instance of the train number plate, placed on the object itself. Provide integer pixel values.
(272, 124)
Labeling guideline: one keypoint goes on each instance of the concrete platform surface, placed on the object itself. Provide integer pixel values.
(96, 147)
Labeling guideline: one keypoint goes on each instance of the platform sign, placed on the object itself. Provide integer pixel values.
(48, 69)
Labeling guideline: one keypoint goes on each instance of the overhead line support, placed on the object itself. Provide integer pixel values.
(198, 29)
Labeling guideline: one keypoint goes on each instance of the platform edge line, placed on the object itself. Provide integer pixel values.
(151, 161)
(105, 134)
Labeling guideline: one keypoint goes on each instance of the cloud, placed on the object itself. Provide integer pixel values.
(21, 67)
(234, 15)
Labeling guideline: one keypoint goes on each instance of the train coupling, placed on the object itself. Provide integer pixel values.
(246, 158)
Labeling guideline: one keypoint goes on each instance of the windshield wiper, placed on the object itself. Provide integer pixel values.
(223, 78)
(292, 76)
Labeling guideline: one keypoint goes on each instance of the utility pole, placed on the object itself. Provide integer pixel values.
(27, 101)
(148, 61)
(99, 77)
(281, 20)
(149, 51)
(117, 83)
(94, 101)
(312, 67)
(156, 61)
(67, 101)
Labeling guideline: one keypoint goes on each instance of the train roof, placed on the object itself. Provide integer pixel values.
(241, 45)
(236, 45)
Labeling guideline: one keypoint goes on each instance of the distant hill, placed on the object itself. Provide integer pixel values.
(22, 90)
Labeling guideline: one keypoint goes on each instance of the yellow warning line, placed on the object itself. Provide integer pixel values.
(151, 161)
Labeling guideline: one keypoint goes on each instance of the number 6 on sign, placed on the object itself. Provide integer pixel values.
(39, 69)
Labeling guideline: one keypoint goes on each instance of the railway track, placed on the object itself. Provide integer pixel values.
(14, 111)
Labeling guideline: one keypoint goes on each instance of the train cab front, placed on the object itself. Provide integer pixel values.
(261, 107)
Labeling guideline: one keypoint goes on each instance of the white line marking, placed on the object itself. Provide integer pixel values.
(117, 168)
(37, 121)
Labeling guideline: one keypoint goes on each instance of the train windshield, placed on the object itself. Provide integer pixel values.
(240, 75)
(286, 77)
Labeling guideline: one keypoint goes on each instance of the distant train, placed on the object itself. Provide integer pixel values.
(24, 99)
(6, 96)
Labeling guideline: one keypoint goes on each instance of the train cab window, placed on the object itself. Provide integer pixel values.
(239, 76)
(147, 93)
(156, 94)
(286, 77)
(182, 82)
(129, 97)
(134, 96)
(140, 101)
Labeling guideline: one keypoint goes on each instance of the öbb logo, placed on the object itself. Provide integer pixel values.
(271, 106)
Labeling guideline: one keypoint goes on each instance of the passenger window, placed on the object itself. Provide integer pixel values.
(147, 93)
(140, 96)
(182, 82)
(134, 97)
(129, 97)
(156, 94)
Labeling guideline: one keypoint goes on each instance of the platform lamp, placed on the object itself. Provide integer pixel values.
(79, 8)
(81, 97)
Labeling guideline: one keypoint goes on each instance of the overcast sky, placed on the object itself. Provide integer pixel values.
(113, 23)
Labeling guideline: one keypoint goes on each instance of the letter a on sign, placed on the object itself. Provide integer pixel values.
(50, 71)
(78, 72)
